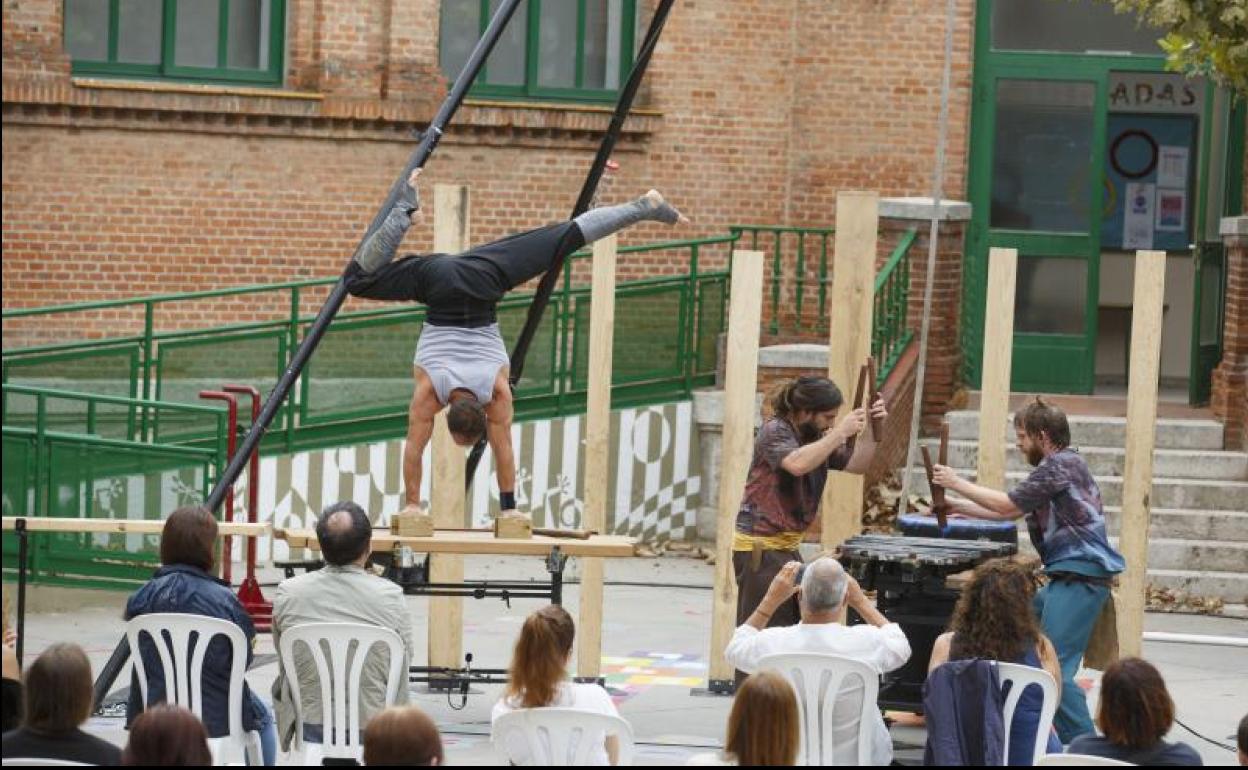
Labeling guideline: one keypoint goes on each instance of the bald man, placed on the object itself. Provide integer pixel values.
(825, 591)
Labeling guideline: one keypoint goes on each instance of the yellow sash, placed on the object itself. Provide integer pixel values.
(783, 541)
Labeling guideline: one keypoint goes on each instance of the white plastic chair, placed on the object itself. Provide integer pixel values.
(1021, 676)
(40, 762)
(1079, 760)
(342, 735)
(559, 737)
(172, 635)
(818, 680)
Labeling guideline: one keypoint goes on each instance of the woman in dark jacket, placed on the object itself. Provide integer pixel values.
(185, 584)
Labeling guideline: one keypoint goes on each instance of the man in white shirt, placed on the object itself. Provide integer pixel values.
(824, 593)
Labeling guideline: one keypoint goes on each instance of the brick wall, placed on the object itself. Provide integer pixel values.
(1230, 378)
(752, 112)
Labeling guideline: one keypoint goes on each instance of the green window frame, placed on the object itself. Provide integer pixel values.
(168, 68)
(530, 14)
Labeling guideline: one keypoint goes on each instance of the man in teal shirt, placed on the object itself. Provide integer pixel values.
(1061, 504)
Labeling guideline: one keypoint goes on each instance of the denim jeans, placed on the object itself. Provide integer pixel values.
(1068, 610)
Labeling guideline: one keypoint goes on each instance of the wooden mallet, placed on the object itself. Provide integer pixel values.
(940, 506)
(877, 423)
(859, 394)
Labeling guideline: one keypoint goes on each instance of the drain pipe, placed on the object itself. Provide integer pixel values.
(1201, 639)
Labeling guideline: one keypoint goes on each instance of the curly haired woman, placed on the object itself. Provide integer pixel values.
(993, 620)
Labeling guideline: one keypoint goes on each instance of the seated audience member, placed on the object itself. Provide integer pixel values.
(993, 620)
(167, 736)
(185, 583)
(403, 735)
(538, 678)
(1136, 712)
(764, 728)
(1241, 737)
(11, 707)
(825, 591)
(59, 693)
(343, 591)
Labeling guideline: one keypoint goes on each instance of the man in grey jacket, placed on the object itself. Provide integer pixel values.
(342, 591)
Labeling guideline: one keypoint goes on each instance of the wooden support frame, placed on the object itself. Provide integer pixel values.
(745, 311)
(994, 400)
(597, 451)
(451, 216)
(849, 341)
(1137, 476)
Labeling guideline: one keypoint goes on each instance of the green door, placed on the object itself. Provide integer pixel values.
(1041, 173)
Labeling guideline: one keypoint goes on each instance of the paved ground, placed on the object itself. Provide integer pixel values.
(655, 644)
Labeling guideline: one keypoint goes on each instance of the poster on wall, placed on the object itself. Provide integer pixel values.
(1137, 225)
(1172, 166)
(1171, 210)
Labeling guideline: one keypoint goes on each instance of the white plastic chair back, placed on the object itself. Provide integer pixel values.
(1079, 760)
(40, 762)
(1021, 676)
(339, 677)
(818, 679)
(173, 634)
(558, 737)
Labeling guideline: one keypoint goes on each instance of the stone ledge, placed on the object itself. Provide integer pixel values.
(1234, 225)
(920, 208)
(803, 355)
(708, 408)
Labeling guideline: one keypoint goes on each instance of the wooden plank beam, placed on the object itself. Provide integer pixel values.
(1137, 475)
(446, 613)
(994, 399)
(484, 543)
(128, 526)
(745, 309)
(597, 451)
(849, 341)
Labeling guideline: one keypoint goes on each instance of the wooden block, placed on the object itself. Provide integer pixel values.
(1137, 474)
(411, 525)
(994, 399)
(513, 526)
(849, 341)
(740, 382)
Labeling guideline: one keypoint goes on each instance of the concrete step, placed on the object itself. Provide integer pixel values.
(1212, 556)
(1086, 431)
(1223, 526)
(1231, 587)
(1109, 461)
(1189, 494)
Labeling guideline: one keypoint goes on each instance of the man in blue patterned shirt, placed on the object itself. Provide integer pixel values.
(1061, 504)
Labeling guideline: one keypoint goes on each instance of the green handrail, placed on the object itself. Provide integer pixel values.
(778, 259)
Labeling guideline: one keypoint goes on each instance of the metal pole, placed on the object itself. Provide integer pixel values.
(1201, 639)
(546, 286)
(903, 505)
(428, 143)
(231, 441)
(23, 548)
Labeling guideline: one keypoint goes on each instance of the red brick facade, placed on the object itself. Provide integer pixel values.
(751, 112)
(1230, 378)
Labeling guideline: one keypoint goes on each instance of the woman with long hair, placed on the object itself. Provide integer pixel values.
(1135, 713)
(763, 726)
(538, 678)
(994, 620)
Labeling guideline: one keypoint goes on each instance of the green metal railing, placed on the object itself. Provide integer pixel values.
(81, 455)
(810, 245)
(891, 327)
(358, 386)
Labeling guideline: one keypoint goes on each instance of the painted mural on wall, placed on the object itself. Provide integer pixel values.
(653, 486)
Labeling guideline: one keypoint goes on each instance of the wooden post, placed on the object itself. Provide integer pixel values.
(448, 499)
(745, 310)
(849, 341)
(597, 452)
(994, 399)
(1137, 475)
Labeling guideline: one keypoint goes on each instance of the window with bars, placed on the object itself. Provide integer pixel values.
(223, 41)
(568, 50)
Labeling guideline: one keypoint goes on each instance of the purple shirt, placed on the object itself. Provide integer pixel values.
(1061, 504)
(775, 500)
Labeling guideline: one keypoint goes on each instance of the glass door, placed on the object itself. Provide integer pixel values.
(1045, 183)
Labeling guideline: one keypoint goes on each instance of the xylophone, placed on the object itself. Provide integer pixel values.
(911, 578)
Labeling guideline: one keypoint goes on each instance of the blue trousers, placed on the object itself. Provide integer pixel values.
(1068, 610)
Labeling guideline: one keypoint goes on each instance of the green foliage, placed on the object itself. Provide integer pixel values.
(1202, 37)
